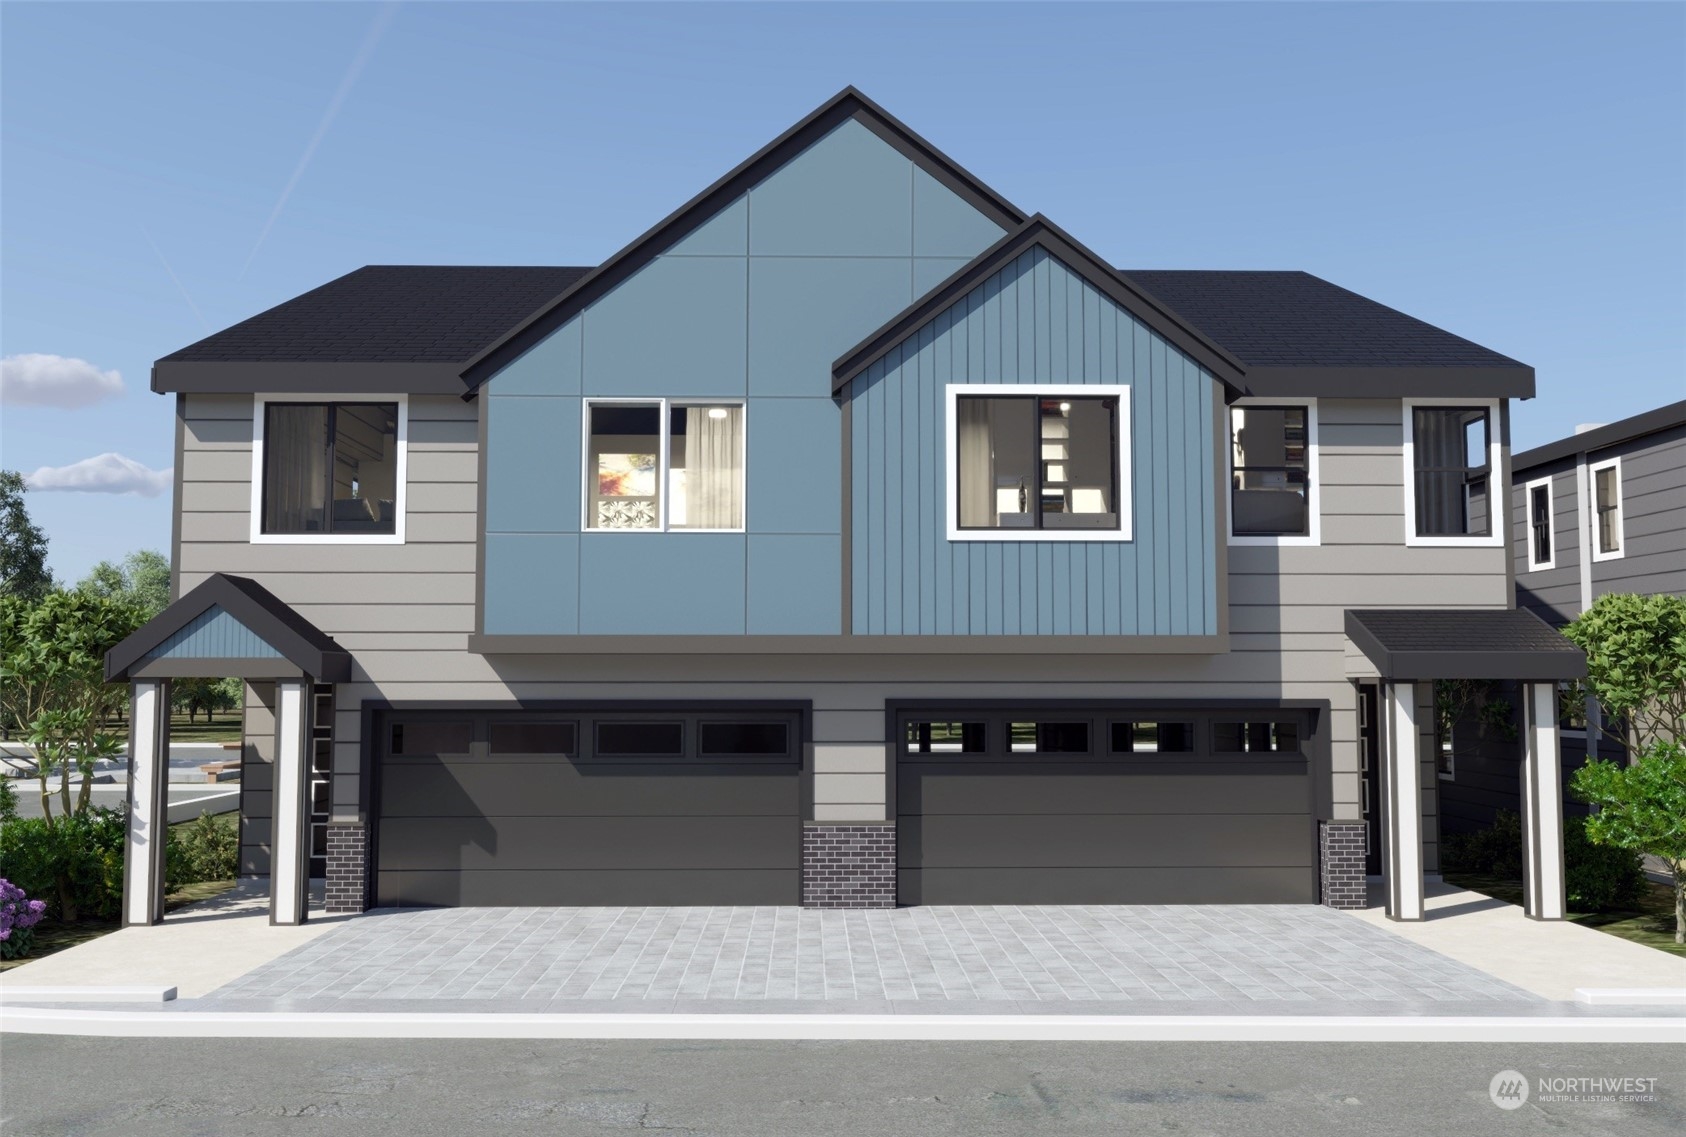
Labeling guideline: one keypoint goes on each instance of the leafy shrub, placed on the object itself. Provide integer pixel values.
(18, 917)
(1600, 877)
(1495, 851)
(207, 848)
(75, 864)
(8, 800)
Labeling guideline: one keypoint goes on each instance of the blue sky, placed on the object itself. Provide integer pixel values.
(1513, 172)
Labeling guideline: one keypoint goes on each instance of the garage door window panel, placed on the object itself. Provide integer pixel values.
(421, 737)
(925, 736)
(640, 740)
(557, 738)
(735, 739)
(1153, 737)
(1231, 737)
(1048, 737)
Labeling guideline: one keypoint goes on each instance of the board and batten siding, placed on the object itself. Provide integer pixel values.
(405, 613)
(1034, 322)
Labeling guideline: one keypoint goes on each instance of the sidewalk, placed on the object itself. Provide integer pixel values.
(1551, 958)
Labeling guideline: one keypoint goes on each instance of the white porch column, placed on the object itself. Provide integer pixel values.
(289, 879)
(1402, 789)
(149, 825)
(1542, 806)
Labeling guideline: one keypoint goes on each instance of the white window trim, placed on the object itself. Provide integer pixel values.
(1592, 511)
(951, 458)
(1528, 523)
(401, 494)
(663, 460)
(1313, 477)
(1496, 511)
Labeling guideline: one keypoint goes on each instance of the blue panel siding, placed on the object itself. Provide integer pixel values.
(786, 572)
(756, 303)
(532, 583)
(533, 457)
(653, 584)
(214, 634)
(675, 327)
(804, 312)
(797, 443)
(1034, 322)
(848, 195)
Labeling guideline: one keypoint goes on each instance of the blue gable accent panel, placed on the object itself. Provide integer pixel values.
(754, 304)
(1035, 321)
(214, 634)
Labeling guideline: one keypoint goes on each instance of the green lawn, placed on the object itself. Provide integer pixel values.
(224, 727)
(1650, 923)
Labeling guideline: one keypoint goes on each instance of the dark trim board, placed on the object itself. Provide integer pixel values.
(846, 104)
(1601, 438)
(1043, 233)
(1384, 382)
(304, 377)
(303, 647)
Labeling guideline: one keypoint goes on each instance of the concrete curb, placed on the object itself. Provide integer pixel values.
(1631, 996)
(16, 993)
(957, 1028)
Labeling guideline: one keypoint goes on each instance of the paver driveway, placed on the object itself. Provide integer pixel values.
(1273, 954)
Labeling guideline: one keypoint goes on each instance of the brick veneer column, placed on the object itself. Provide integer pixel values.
(849, 866)
(347, 868)
(1340, 853)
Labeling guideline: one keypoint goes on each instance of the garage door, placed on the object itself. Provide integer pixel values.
(588, 808)
(1099, 806)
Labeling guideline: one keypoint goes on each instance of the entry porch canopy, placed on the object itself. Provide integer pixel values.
(227, 626)
(1409, 646)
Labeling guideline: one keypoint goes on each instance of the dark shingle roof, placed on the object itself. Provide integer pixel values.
(1294, 319)
(1461, 643)
(390, 314)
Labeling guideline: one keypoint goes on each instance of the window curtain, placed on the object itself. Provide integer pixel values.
(1438, 442)
(714, 468)
(296, 454)
(977, 479)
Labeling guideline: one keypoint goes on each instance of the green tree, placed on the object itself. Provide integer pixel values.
(23, 547)
(53, 667)
(143, 579)
(1636, 664)
(208, 695)
(1642, 807)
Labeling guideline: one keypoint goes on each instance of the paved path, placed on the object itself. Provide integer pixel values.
(1249, 955)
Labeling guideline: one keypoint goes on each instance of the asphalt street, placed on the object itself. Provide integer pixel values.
(231, 1087)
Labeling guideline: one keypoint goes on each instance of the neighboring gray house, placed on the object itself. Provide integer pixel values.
(1603, 510)
(851, 538)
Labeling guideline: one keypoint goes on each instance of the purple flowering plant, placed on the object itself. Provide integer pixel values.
(18, 917)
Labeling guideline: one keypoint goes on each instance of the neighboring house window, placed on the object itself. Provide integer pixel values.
(1038, 463)
(1445, 760)
(1451, 453)
(1607, 510)
(1273, 474)
(328, 471)
(1541, 546)
(657, 465)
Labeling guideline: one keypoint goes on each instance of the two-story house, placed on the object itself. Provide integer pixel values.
(850, 538)
(1602, 510)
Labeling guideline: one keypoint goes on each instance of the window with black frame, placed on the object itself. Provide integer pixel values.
(1037, 461)
(1539, 521)
(1271, 482)
(1450, 449)
(330, 468)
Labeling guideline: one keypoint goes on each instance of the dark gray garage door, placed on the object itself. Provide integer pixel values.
(1099, 806)
(589, 808)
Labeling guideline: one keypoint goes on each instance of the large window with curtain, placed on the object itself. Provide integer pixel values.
(657, 465)
(1451, 470)
(329, 469)
(1042, 465)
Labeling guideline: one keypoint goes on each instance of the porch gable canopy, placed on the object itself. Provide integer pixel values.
(228, 626)
(1417, 644)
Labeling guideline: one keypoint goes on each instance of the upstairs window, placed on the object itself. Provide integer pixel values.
(1453, 453)
(1272, 479)
(328, 471)
(655, 465)
(1541, 546)
(1607, 510)
(1037, 463)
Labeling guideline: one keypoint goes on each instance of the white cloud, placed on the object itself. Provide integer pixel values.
(103, 473)
(35, 380)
